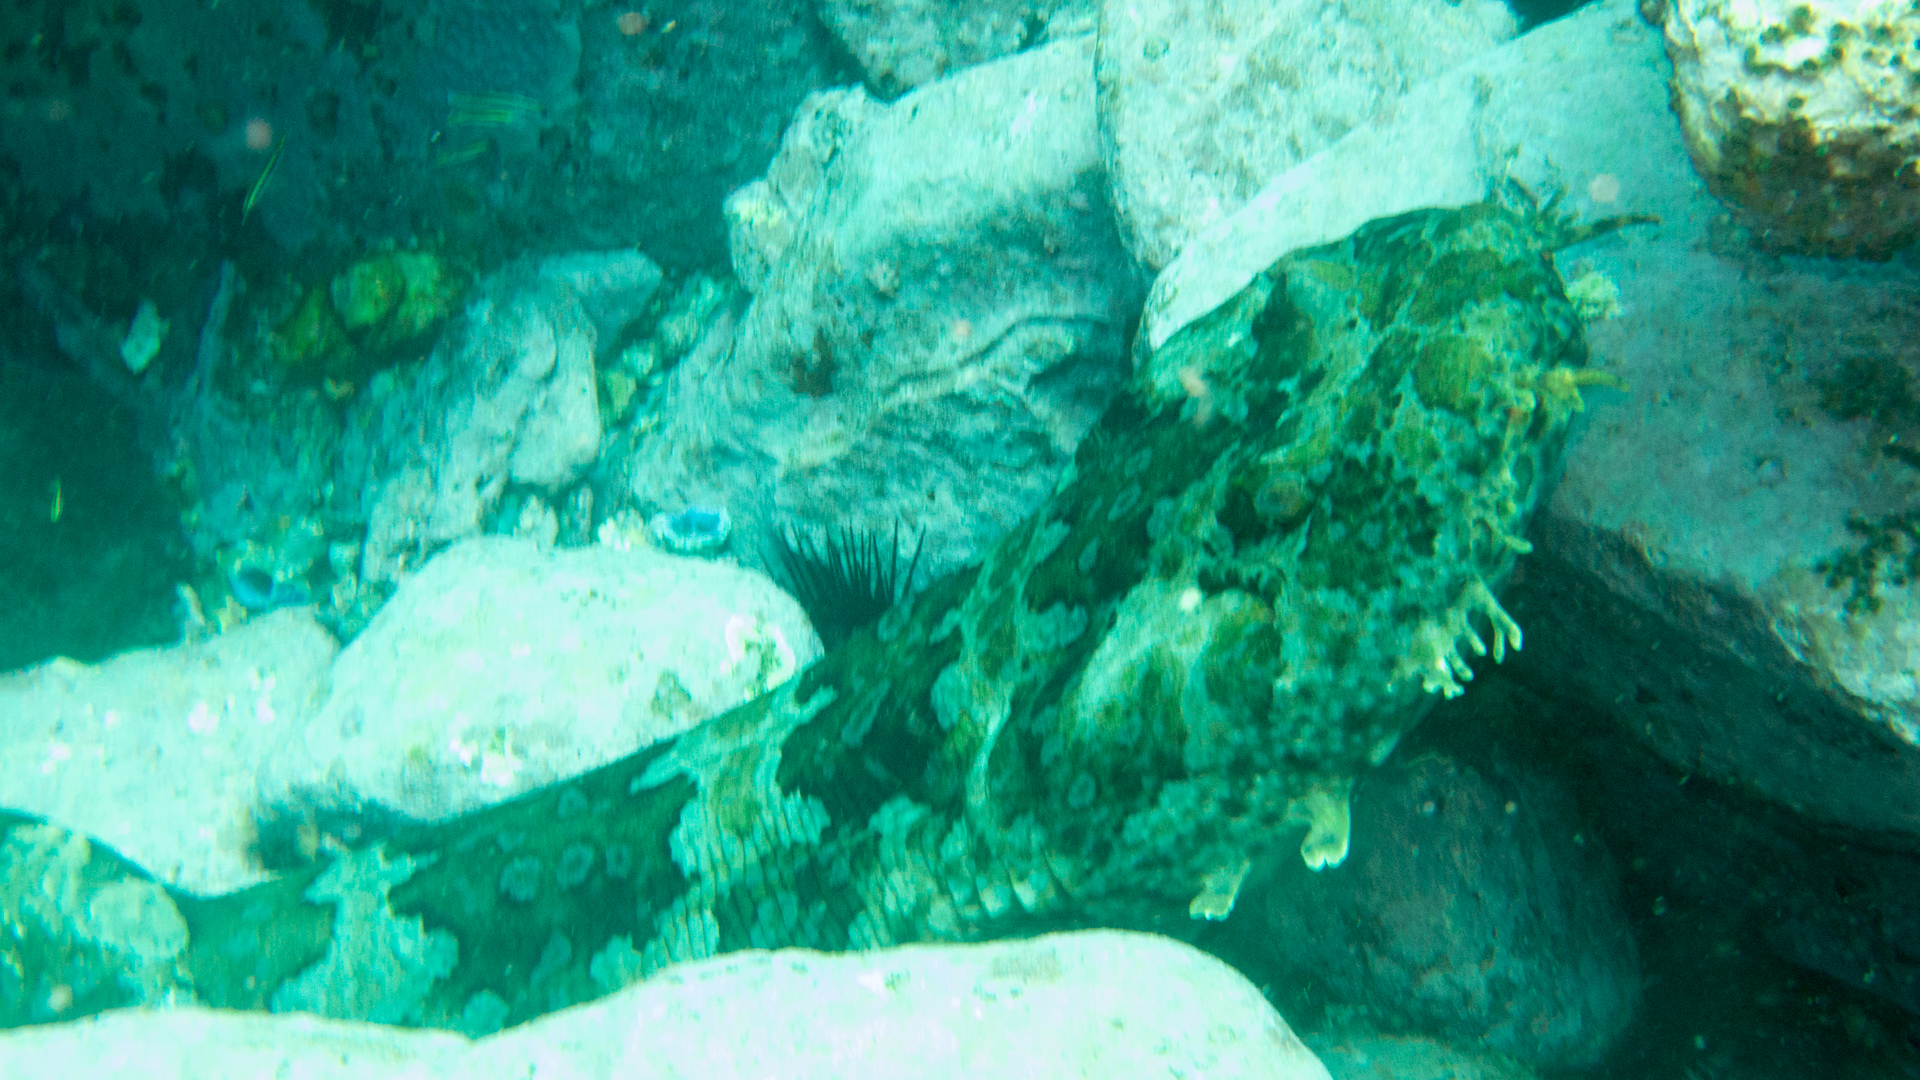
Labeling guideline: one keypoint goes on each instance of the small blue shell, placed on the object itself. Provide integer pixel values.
(257, 590)
(697, 530)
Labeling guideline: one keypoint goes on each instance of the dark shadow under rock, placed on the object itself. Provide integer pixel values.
(1471, 906)
(1809, 934)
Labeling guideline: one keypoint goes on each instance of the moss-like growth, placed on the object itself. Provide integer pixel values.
(1889, 553)
(1878, 389)
(311, 340)
(369, 315)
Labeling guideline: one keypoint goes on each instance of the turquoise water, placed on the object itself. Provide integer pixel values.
(1219, 466)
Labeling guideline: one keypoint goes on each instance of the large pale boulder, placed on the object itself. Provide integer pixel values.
(500, 667)
(1805, 115)
(1678, 580)
(903, 44)
(1105, 1005)
(1204, 101)
(158, 751)
(939, 313)
(1544, 110)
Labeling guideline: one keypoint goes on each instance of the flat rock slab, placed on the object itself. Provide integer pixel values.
(503, 666)
(1547, 109)
(1100, 1004)
(1202, 101)
(156, 751)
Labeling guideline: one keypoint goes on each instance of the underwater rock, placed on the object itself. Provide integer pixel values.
(499, 667)
(429, 289)
(1545, 110)
(1201, 102)
(158, 751)
(1706, 861)
(615, 286)
(687, 317)
(368, 291)
(1699, 577)
(1114, 1005)
(764, 216)
(311, 340)
(624, 647)
(508, 396)
(619, 392)
(1800, 113)
(903, 44)
(362, 319)
(940, 299)
(1473, 909)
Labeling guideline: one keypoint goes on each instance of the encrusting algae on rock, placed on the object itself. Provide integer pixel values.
(365, 316)
(1232, 604)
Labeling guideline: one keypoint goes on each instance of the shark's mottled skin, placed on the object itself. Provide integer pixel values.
(1265, 562)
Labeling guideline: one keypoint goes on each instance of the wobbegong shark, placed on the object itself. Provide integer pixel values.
(1280, 544)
